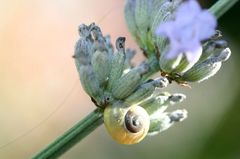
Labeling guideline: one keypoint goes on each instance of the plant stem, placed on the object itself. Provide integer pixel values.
(95, 119)
(72, 136)
(221, 7)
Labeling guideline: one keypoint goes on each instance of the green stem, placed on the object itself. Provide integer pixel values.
(95, 119)
(221, 7)
(72, 136)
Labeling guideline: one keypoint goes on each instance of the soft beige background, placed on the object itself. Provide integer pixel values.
(41, 97)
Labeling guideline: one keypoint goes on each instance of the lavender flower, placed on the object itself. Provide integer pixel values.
(185, 33)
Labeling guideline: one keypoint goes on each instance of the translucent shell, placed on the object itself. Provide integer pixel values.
(126, 125)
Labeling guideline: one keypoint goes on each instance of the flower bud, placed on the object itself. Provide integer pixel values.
(84, 31)
(224, 55)
(126, 85)
(207, 68)
(178, 115)
(212, 48)
(117, 63)
(82, 52)
(162, 121)
(101, 65)
(176, 98)
(161, 82)
(143, 92)
(146, 90)
(90, 83)
(159, 103)
(142, 18)
(202, 71)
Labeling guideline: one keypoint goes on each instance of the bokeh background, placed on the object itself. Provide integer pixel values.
(41, 96)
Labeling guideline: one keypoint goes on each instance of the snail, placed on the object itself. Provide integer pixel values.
(126, 125)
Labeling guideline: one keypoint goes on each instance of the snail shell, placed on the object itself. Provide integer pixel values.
(126, 125)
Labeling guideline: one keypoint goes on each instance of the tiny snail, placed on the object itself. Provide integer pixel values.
(126, 125)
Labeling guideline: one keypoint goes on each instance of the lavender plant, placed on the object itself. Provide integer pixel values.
(178, 39)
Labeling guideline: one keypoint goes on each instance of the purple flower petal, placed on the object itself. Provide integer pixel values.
(209, 22)
(165, 29)
(185, 33)
(184, 10)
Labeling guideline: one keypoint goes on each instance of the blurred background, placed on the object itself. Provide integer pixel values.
(41, 96)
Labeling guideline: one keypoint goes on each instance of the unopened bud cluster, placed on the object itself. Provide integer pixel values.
(183, 57)
(109, 77)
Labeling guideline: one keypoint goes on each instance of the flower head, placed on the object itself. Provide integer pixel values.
(191, 26)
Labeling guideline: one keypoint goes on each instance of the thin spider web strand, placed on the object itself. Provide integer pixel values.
(42, 121)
